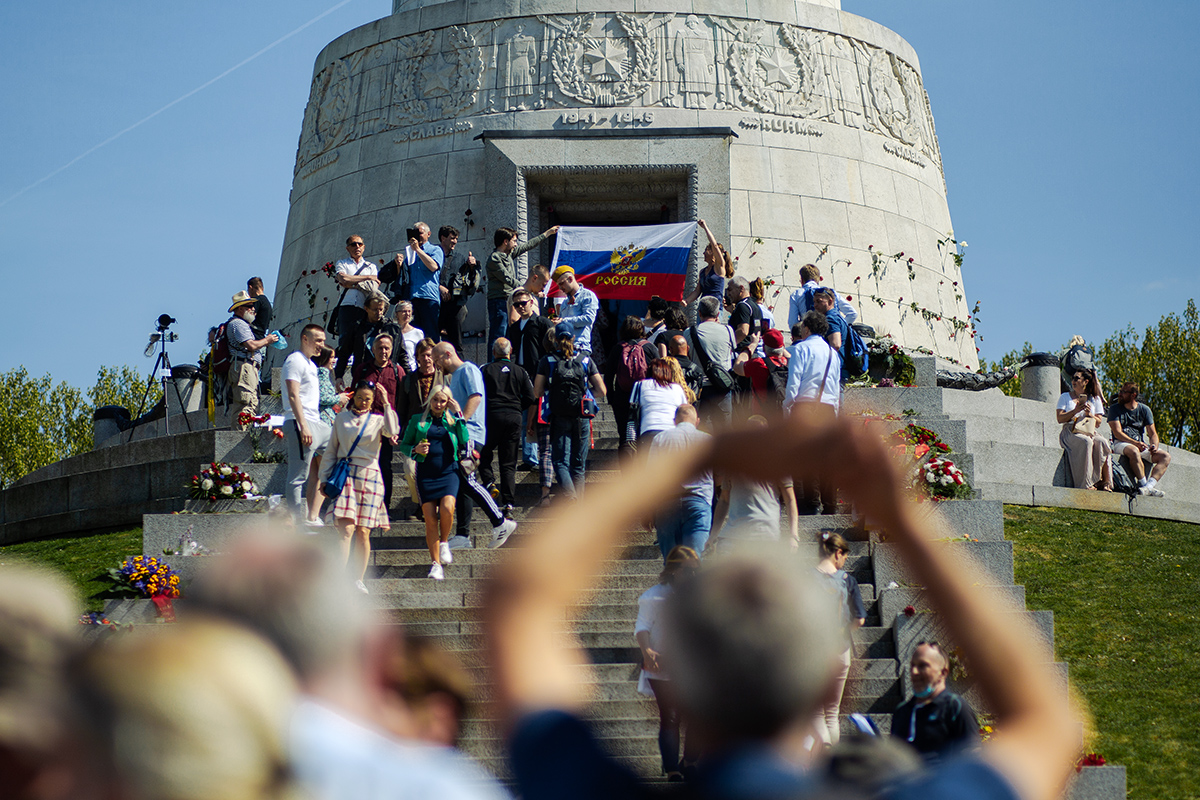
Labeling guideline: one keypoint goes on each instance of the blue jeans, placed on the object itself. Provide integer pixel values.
(425, 316)
(497, 314)
(529, 447)
(684, 522)
(570, 441)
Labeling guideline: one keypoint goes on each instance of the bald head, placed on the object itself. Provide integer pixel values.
(677, 346)
(446, 357)
(686, 413)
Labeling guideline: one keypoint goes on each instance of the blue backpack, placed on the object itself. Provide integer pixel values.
(857, 357)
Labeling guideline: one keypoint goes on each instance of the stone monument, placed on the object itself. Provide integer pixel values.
(800, 132)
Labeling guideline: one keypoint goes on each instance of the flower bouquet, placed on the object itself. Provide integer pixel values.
(943, 480)
(245, 418)
(221, 482)
(144, 576)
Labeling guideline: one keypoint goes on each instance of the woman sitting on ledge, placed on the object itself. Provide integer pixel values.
(1081, 412)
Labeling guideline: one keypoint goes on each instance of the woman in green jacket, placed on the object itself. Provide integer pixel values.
(434, 439)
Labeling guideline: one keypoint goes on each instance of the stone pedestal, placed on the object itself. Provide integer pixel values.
(1039, 378)
(799, 132)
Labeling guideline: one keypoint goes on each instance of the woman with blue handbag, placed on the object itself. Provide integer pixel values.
(352, 459)
(434, 440)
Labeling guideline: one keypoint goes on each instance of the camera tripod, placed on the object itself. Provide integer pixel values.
(162, 368)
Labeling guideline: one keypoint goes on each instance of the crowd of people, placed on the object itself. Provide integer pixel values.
(277, 682)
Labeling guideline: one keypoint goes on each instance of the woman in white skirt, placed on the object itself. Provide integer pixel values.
(359, 507)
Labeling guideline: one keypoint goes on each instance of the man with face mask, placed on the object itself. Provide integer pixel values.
(246, 357)
(936, 721)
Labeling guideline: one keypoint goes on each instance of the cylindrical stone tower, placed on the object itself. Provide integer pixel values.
(801, 134)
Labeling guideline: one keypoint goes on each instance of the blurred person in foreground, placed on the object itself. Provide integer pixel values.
(750, 673)
(432, 685)
(38, 631)
(190, 711)
(294, 592)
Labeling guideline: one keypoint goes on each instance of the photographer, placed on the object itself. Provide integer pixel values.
(246, 357)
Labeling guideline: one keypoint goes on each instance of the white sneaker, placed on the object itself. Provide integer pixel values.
(1151, 491)
(437, 573)
(315, 523)
(444, 552)
(501, 532)
(362, 587)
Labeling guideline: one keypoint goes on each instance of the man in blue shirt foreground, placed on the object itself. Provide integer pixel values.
(752, 648)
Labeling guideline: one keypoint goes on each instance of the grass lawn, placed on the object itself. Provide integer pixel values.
(1123, 591)
(80, 556)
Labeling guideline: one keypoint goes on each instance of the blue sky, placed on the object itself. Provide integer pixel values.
(1066, 129)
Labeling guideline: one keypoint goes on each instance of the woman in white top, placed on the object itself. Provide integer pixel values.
(1081, 412)
(359, 507)
(658, 396)
(682, 561)
(409, 335)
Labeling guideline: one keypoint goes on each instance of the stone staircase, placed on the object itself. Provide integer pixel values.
(626, 722)
(1009, 448)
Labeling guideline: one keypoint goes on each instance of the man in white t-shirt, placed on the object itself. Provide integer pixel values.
(304, 434)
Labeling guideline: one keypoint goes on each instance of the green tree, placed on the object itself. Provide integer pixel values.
(1164, 362)
(42, 422)
(123, 386)
(1012, 388)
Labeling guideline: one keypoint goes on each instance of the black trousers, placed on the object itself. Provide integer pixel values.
(451, 318)
(385, 471)
(351, 323)
(503, 438)
(471, 492)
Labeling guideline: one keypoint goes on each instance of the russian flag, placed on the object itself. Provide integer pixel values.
(633, 263)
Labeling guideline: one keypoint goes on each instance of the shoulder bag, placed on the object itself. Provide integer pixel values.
(718, 376)
(333, 486)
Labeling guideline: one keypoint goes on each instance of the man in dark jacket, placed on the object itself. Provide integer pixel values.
(693, 375)
(509, 392)
(377, 322)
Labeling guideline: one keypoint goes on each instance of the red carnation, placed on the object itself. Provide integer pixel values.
(909, 611)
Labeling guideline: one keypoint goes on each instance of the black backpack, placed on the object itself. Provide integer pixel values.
(777, 377)
(568, 386)
(396, 275)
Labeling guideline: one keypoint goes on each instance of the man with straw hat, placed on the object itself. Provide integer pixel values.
(245, 357)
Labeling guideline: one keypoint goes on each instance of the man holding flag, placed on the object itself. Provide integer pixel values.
(618, 263)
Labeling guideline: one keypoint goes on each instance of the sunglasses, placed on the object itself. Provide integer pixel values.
(364, 385)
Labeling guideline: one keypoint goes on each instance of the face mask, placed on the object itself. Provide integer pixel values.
(923, 693)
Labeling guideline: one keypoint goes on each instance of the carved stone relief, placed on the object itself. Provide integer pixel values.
(598, 61)
(602, 64)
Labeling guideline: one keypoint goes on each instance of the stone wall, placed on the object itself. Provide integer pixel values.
(799, 132)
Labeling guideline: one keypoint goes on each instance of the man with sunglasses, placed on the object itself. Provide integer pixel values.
(360, 279)
(935, 721)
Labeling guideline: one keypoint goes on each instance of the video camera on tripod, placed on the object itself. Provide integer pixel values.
(161, 333)
(161, 371)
